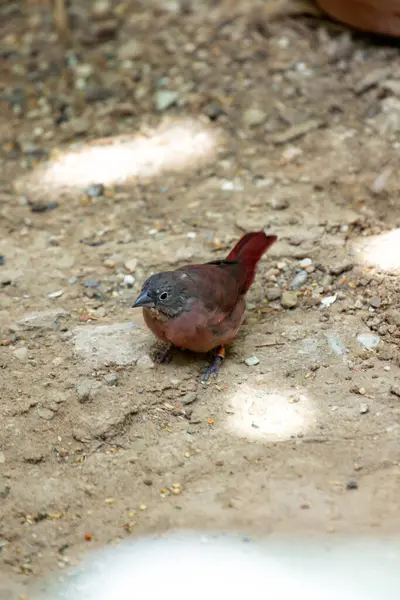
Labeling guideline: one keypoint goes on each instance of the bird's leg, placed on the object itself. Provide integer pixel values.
(213, 369)
(164, 355)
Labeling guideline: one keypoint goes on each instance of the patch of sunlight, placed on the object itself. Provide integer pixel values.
(380, 251)
(272, 415)
(173, 148)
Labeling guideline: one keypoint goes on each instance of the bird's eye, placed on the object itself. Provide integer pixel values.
(163, 296)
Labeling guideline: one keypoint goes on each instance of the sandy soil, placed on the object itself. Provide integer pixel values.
(158, 138)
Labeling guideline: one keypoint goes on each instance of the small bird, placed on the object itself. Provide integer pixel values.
(201, 307)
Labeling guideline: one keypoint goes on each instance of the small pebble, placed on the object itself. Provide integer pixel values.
(231, 186)
(326, 280)
(299, 279)
(96, 94)
(328, 301)
(95, 190)
(72, 280)
(145, 362)
(289, 299)
(2, 260)
(54, 241)
(147, 482)
(80, 125)
(368, 340)
(45, 413)
(213, 110)
(84, 70)
(352, 485)
(291, 152)
(101, 9)
(395, 390)
(375, 302)
(131, 264)
(21, 353)
(109, 263)
(364, 408)
(296, 239)
(273, 293)
(188, 399)
(165, 99)
(33, 457)
(43, 207)
(254, 117)
(110, 379)
(341, 267)
(56, 294)
(381, 181)
(86, 388)
(306, 262)
(252, 361)
(92, 283)
(130, 50)
(129, 280)
(278, 203)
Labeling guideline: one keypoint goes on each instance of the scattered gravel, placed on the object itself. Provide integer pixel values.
(95, 190)
(289, 300)
(111, 379)
(368, 340)
(254, 117)
(164, 99)
(46, 414)
(375, 302)
(129, 280)
(299, 279)
(21, 354)
(252, 361)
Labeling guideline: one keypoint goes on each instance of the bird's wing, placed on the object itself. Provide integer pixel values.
(215, 287)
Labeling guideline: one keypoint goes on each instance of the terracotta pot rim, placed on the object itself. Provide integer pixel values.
(381, 17)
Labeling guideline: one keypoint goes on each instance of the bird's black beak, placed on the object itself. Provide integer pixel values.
(143, 300)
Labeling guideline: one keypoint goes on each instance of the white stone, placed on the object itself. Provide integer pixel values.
(56, 294)
(21, 354)
(120, 344)
(252, 361)
(46, 319)
(131, 264)
(145, 362)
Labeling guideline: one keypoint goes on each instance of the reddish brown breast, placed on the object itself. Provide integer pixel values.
(198, 330)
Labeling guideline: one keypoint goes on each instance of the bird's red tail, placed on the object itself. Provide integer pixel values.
(248, 252)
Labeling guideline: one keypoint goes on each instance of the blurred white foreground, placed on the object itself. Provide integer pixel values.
(191, 566)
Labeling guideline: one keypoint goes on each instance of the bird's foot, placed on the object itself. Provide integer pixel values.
(213, 369)
(164, 355)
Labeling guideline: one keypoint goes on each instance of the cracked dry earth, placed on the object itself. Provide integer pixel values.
(292, 127)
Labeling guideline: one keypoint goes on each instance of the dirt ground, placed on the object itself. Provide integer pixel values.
(158, 138)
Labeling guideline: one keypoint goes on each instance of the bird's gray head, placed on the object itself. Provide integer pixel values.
(165, 293)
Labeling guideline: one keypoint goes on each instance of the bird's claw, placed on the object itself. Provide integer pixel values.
(164, 356)
(213, 369)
